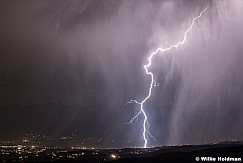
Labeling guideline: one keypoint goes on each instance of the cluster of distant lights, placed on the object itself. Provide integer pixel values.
(39, 139)
(25, 153)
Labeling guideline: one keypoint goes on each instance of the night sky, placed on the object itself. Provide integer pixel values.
(72, 66)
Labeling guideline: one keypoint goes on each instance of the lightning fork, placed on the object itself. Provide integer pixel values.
(146, 124)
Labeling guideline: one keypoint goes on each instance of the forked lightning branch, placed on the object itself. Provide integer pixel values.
(153, 83)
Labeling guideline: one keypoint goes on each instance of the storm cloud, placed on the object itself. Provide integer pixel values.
(93, 52)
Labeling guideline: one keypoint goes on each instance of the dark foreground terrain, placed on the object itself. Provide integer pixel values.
(219, 152)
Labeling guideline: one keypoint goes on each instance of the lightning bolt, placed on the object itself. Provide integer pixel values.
(153, 83)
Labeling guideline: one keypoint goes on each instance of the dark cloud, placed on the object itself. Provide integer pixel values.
(92, 53)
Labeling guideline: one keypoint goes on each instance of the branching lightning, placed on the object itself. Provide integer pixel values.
(153, 83)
